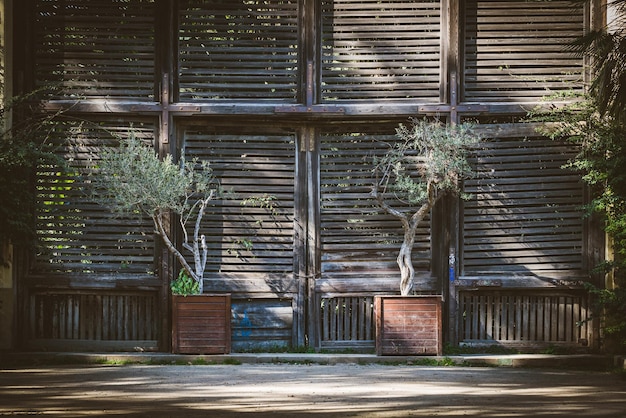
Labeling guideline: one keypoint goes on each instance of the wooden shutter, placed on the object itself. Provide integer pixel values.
(96, 48)
(518, 50)
(76, 234)
(238, 49)
(524, 214)
(373, 50)
(250, 247)
(358, 239)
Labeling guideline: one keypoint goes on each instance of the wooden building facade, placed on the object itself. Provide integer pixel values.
(291, 99)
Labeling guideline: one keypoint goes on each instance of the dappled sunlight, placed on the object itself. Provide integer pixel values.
(285, 389)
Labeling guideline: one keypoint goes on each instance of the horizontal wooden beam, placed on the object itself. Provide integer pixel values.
(315, 111)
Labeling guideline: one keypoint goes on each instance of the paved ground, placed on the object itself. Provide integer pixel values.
(303, 390)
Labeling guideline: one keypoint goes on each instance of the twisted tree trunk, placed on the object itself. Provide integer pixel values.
(409, 225)
(405, 262)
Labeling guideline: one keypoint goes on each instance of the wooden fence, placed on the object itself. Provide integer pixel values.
(525, 318)
(92, 320)
(294, 99)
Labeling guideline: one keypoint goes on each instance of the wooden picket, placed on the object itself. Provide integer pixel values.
(347, 322)
(93, 320)
(525, 318)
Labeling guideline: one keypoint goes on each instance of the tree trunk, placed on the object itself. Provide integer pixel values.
(407, 272)
(405, 261)
(409, 225)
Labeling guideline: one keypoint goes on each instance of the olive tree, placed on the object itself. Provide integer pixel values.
(131, 179)
(428, 160)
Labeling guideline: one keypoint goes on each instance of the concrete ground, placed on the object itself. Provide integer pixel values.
(301, 386)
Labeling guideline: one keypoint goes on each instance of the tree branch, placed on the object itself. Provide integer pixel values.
(158, 223)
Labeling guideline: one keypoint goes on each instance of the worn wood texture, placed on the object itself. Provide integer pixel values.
(525, 318)
(374, 53)
(77, 234)
(292, 99)
(347, 322)
(109, 319)
(201, 324)
(356, 236)
(408, 325)
(258, 323)
(524, 213)
(238, 50)
(519, 50)
(96, 49)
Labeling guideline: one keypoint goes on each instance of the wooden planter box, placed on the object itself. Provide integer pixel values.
(408, 325)
(201, 324)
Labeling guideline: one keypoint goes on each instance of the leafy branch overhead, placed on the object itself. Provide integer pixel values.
(132, 179)
(428, 161)
(26, 143)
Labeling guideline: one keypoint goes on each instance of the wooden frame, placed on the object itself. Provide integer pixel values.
(309, 114)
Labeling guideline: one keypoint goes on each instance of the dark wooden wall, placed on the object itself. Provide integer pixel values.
(292, 99)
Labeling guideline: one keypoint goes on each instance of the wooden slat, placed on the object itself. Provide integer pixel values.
(261, 323)
(347, 321)
(373, 51)
(530, 318)
(357, 237)
(248, 165)
(524, 212)
(518, 50)
(96, 49)
(95, 315)
(238, 50)
(408, 325)
(76, 234)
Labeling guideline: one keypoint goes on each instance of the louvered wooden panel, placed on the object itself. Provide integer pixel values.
(518, 50)
(99, 48)
(524, 213)
(77, 234)
(238, 49)
(246, 241)
(373, 50)
(358, 239)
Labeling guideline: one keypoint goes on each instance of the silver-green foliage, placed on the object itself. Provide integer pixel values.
(428, 160)
(132, 179)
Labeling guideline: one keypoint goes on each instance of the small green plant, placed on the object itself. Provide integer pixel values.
(184, 284)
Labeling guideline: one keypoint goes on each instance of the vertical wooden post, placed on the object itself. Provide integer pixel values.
(301, 240)
(453, 57)
(167, 12)
(313, 235)
(7, 294)
(21, 79)
(310, 62)
(454, 70)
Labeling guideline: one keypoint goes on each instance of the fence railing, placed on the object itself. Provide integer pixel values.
(516, 317)
(347, 322)
(93, 319)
